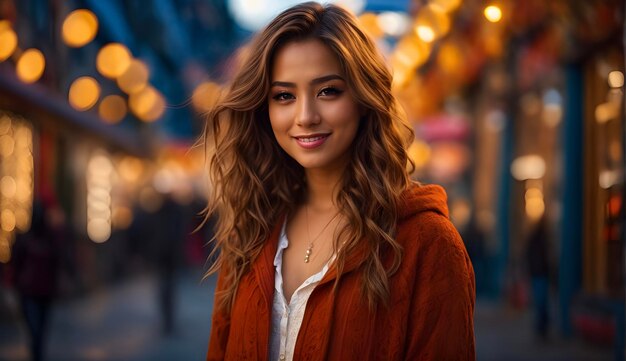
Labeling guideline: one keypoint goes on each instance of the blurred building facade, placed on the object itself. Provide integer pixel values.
(100, 103)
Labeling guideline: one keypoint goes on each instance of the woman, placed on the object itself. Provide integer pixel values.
(327, 250)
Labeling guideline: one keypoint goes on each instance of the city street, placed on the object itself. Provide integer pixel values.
(123, 323)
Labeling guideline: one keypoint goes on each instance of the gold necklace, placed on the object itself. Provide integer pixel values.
(309, 249)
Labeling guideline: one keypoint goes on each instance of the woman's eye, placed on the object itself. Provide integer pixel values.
(282, 96)
(330, 91)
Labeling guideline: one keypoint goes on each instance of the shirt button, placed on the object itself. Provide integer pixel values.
(282, 356)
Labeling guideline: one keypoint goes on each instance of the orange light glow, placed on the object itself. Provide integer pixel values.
(8, 41)
(79, 28)
(135, 78)
(113, 60)
(30, 66)
(84, 93)
(112, 109)
(493, 13)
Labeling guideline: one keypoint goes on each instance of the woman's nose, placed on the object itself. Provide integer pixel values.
(307, 114)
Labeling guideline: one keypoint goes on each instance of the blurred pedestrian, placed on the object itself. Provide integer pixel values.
(326, 249)
(36, 261)
(538, 262)
(168, 237)
(474, 237)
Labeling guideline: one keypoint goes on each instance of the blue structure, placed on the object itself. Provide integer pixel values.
(570, 259)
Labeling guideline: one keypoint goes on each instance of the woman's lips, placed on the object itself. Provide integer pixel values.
(312, 141)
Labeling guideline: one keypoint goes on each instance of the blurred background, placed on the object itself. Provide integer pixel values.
(517, 108)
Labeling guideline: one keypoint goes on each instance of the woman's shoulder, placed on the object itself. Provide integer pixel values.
(419, 200)
(424, 223)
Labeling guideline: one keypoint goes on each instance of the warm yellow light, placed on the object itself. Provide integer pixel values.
(22, 219)
(24, 191)
(113, 60)
(5, 124)
(493, 13)
(122, 217)
(450, 58)
(607, 111)
(393, 23)
(419, 153)
(148, 104)
(79, 28)
(112, 109)
(99, 184)
(134, 78)
(616, 79)
(7, 220)
(84, 93)
(446, 5)
(410, 53)
(369, 21)
(7, 145)
(130, 169)
(425, 33)
(99, 230)
(8, 42)
(431, 24)
(8, 187)
(528, 167)
(30, 66)
(5, 248)
(205, 96)
(461, 212)
(535, 205)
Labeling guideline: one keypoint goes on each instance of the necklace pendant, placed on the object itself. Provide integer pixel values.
(308, 254)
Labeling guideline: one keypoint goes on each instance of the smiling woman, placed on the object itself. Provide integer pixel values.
(312, 111)
(326, 250)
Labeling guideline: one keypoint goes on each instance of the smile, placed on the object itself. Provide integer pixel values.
(313, 141)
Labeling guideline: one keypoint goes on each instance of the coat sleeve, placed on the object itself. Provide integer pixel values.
(441, 323)
(220, 325)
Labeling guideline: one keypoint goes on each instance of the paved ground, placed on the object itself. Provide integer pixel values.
(122, 323)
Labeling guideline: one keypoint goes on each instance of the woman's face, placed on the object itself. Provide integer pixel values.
(312, 111)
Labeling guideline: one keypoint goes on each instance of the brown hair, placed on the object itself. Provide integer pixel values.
(254, 183)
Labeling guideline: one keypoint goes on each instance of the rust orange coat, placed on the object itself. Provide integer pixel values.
(430, 313)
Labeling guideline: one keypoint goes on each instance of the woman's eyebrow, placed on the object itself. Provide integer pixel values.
(315, 81)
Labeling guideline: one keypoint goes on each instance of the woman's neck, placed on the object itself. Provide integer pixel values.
(322, 189)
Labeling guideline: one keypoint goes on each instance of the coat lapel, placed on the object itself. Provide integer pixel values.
(263, 269)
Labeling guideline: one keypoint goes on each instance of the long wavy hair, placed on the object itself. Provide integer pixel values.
(254, 183)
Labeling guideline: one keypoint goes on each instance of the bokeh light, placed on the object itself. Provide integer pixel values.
(135, 78)
(528, 167)
(445, 5)
(393, 23)
(112, 109)
(616, 79)
(431, 24)
(84, 93)
(30, 66)
(8, 40)
(148, 104)
(113, 60)
(205, 96)
(493, 13)
(79, 28)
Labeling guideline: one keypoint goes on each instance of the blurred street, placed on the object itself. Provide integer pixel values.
(122, 323)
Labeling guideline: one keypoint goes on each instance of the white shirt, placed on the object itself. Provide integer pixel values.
(287, 318)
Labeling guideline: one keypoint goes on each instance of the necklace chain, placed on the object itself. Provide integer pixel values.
(309, 249)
